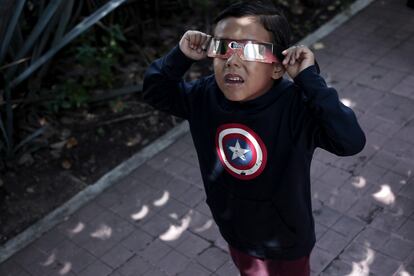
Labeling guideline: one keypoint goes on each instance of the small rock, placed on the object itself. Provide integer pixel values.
(58, 145)
(65, 134)
(26, 159)
(134, 141)
(67, 120)
(56, 153)
(30, 190)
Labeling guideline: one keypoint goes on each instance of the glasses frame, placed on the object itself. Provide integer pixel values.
(239, 47)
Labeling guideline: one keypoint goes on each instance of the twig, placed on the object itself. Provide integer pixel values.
(124, 118)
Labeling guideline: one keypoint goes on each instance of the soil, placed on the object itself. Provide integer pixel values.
(87, 143)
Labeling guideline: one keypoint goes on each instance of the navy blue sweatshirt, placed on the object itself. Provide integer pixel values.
(255, 156)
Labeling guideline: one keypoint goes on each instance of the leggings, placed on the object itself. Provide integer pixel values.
(253, 266)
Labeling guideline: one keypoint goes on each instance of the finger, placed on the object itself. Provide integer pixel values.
(193, 40)
(288, 54)
(205, 41)
(197, 39)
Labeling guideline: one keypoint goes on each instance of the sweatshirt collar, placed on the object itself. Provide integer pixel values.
(257, 103)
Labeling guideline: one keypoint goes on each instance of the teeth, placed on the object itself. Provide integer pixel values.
(234, 79)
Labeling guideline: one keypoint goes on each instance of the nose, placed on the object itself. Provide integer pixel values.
(234, 60)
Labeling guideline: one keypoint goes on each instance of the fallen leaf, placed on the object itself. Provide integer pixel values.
(66, 164)
(72, 142)
(58, 145)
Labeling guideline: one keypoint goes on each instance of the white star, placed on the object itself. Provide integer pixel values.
(238, 152)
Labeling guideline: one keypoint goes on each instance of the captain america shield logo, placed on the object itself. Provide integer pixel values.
(241, 151)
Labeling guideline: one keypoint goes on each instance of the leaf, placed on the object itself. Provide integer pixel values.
(10, 29)
(72, 142)
(75, 32)
(44, 18)
(66, 164)
(30, 138)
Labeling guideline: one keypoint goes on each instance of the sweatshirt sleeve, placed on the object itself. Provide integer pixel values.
(164, 87)
(337, 129)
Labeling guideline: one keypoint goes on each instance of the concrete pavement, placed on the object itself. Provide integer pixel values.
(155, 221)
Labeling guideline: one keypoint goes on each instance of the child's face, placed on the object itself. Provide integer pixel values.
(238, 79)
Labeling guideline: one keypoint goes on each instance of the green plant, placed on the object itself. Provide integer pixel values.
(35, 47)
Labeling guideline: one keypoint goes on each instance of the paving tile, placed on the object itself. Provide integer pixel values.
(137, 241)
(49, 240)
(408, 190)
(388, 222)
(326, 216)
(134, 266)
(320, 259)
(108, 198)
(10, 268)
(173, 263)
(397, 248)
(348, 227)
(209, 231)
(159, 180)
(341, 200)
(117, 256)
(383, 265)
(407, 230)
(157, 225)
(337, 267)
(159, 161)
(402, 206)
(366, 209)
(357, 253)
(335, 177)
(75, 257)
(227, 269)
(28, 255)
(377, 77)
(178, 148)
(203, 208)
(154, 272)
(192, 246)
(405, 88)
(404, 168)
(155, 251)
(173, 209)
(374, 238)
(193, 196)
(332, 242)
(192, 175)
(212, 258)
(320, 230)
(195, 269)
(105, 232)
(318, 168)
(97, 268)
(177, 187)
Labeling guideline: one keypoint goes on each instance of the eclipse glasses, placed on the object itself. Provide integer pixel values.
(246, 49)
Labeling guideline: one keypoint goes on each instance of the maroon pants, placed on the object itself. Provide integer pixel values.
(253, 266)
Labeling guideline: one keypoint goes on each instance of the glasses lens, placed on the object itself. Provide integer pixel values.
(254, 51)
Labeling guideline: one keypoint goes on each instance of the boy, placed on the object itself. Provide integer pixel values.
(255, 132)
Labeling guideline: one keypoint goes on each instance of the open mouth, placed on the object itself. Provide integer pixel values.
(233, 79)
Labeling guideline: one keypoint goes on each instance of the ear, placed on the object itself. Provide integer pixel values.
(278, 71)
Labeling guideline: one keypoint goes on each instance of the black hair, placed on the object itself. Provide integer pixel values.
(269, 16)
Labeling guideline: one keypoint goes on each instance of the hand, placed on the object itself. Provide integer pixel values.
(194, 44)
(297, 59)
